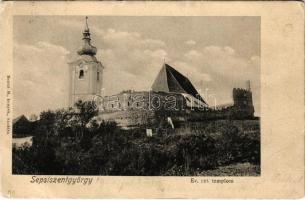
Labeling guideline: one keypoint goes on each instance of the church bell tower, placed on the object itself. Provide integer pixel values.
(86, 72)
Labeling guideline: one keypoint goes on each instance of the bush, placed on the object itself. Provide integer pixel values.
(63, 144)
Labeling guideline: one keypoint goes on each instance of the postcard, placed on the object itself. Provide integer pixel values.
(152, 99)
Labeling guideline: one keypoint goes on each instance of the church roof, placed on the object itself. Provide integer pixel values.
(170, 80)
(20, 118)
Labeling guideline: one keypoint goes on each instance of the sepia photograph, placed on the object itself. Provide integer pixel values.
(152, 99)
(136, 95)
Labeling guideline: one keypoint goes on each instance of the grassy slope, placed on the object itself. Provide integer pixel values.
(241, 169)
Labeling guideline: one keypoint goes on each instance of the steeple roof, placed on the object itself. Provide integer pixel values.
(87, 48)
(170, 80)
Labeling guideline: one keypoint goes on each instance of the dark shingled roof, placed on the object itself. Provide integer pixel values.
(170, 80)
(20, 118)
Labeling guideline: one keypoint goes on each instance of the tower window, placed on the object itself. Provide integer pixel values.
(81, 74)
(98, 76)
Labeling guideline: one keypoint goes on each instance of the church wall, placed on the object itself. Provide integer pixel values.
(138, 109)
(146, 100)
(141, 109)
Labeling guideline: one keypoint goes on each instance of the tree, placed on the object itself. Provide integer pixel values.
(86, 111)
(33, 118)
(46, 123)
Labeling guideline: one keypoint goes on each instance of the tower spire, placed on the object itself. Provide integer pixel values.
(86, 27)
(248, 85)
(87, 48)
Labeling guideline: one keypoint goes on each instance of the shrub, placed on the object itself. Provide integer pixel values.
(63, 144)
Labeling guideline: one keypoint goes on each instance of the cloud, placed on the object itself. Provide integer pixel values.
(127, 40)
(131, 60)
(223, 61)
(192, 72)
(190, 42)
(40, 77)
(219, 69)
(193, 54)
(133, 70)
(216, 50)
(45, 46)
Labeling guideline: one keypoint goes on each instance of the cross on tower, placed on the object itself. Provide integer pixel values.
(87, 28)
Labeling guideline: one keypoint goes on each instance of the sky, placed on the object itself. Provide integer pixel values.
(217, 54)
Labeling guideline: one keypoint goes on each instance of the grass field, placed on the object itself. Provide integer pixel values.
(240, 169)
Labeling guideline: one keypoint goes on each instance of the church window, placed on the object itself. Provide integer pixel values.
(81, 74)
(98, 76)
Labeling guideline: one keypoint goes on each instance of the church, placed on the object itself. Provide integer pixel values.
(172, 96)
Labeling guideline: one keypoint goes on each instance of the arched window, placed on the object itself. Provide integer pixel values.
(81, 74)
(98, 76)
